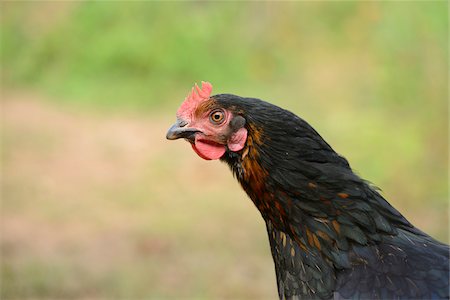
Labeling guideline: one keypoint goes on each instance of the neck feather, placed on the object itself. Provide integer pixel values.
(315, 210)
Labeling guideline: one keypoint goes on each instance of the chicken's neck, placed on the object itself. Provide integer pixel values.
(302, 267)
(299, 271)
(315, 212)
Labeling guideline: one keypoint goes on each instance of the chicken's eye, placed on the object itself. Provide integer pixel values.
(217, 116)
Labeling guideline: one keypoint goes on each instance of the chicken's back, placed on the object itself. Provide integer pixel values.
(405, 266)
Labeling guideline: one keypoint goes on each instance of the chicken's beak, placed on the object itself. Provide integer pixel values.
(180, 130)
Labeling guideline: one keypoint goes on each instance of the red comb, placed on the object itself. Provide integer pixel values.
(194, 97)
(201, 94)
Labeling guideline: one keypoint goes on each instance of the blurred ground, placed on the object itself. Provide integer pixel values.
(104, 207)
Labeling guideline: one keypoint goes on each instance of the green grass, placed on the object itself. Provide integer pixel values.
(145, 54)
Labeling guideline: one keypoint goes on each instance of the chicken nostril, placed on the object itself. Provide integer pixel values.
(181, 123)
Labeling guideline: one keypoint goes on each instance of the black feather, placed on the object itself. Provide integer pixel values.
(331, 233)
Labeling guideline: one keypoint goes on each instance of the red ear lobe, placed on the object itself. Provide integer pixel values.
(237, 140)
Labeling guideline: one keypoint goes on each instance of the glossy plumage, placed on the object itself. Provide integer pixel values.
(332, 235)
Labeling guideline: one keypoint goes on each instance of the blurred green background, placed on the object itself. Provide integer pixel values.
(97, 204)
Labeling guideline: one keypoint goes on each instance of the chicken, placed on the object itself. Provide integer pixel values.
(332, 235)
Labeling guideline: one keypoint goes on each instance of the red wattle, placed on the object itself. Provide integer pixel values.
(207, 150)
